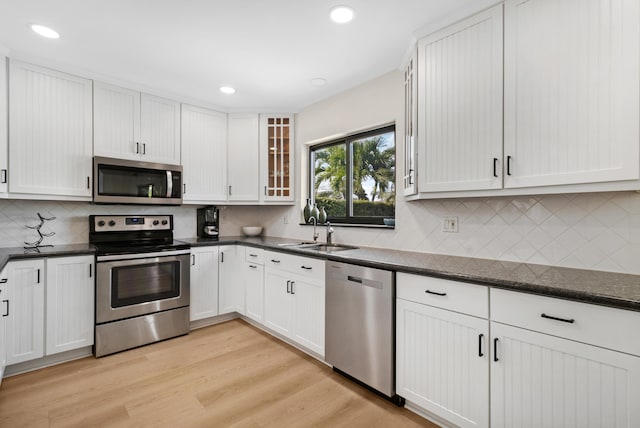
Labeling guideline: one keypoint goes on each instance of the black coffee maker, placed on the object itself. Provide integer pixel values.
(208, 222)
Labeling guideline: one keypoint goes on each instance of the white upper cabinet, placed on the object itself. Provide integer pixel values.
(276, 157)
(50, 146)
(410, 126)
(243, 161)
(460, 105)
(4, 178)
(571, 91)
(131, 125)
(204, 155)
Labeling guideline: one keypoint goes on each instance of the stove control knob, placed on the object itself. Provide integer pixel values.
(112, 223)
(156, 222)
(101, 223)
(164, 222)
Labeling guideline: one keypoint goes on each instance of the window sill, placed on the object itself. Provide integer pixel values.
(361, 226)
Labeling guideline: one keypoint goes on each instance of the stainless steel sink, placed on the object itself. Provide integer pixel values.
(295, 244)
(329, 248)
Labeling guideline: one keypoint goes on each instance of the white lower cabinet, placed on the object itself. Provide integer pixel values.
(253, 268)
(70, 302)
(25, 310)
(230, 281)
(204, 283)
(294, 299)
(562, 363)
(63, 289)
(3, 314)
(442, 356)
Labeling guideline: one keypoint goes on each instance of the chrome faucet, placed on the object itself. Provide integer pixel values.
(315, 233)
(329, 233)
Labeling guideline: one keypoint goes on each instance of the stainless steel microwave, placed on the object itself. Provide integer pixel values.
(120, 181)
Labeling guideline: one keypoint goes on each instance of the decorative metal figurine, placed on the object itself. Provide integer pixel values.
(36, 245)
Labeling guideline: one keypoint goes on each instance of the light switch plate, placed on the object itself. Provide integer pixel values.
(450, 224)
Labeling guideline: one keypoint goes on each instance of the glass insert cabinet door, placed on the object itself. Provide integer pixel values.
(278, 155)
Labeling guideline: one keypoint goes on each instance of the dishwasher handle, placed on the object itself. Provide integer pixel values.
(354, 279)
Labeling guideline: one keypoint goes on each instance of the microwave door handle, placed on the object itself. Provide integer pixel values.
(169, 184)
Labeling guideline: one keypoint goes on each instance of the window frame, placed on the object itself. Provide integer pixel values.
(347, 140)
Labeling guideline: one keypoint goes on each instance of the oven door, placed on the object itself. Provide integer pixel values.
(135, 285)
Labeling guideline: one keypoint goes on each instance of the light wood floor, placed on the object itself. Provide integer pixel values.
(227, 375)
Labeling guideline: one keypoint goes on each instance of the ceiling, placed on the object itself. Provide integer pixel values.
(269, 50)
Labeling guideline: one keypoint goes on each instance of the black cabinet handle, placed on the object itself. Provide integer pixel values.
(193, 259)
(184, 188)
(265, 190)
(7, 313)
(411, 176)
(221, 256)
(253, 266)
(229, 190)
(508, 165)
(90, 271)
(435, 292)
(137, 147)
(88, 182)
(275, 261)
(306, 267)
(495, 349)
(38, 277)
(480, 354)
(549, 317)
(3, 281)
(144, 148)
(288, 289)
(253, 255)
(495, 167)
(4, 176)
(293, 290)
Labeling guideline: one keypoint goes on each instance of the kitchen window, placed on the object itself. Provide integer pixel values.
(353, 178)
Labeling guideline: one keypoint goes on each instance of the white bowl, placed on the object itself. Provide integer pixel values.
(252, 230)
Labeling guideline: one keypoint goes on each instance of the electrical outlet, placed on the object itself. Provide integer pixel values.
(450, 224)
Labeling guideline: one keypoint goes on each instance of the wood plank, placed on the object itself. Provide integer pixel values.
(226, 375)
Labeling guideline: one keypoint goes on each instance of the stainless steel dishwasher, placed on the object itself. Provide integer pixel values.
(359, 325)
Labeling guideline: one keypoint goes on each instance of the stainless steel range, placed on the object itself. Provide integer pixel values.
(142, 281)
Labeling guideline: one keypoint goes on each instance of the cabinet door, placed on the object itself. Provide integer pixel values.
(116, 121)
(231, 286)
(571, 91)
(159, 129)
(545, 381)
(278, 302)
(4, 179)
(254, 291)
(204, 155)
(50, 131)
(243, 157)
(276, 157)
(25, 320)
(4, 302)
(460, 105)
(308, 322)
(70, 303)
(410, 124)
(442, 362)
(204, 283)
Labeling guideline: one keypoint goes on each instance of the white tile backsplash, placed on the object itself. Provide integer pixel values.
(591, 231)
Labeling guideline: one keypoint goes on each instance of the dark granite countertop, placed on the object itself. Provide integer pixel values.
(598, 287)
(17, 253)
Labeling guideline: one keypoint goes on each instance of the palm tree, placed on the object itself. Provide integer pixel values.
(372, 161)
(331, 167)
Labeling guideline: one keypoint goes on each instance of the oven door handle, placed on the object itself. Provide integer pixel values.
(142, 255)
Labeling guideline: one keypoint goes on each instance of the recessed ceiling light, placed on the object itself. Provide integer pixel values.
(227, 90)
(341, 14)
(318, 81)
(45, 31)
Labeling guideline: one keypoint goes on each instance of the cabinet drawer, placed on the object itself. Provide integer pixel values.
(303, 266)
(254, 255)
(597, 325)
(456, 296)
